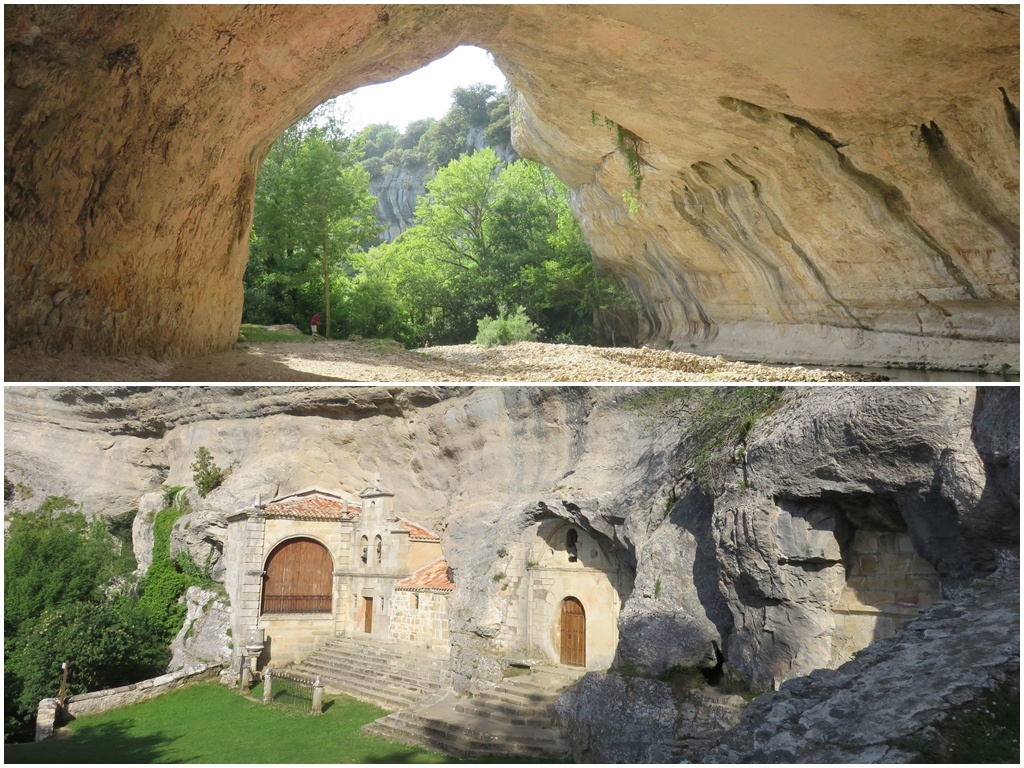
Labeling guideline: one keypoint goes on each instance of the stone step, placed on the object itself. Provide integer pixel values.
(363, 652)
(390, 677)
(429, 679)
(469, 737)
(508, 715)
(357, 659)
(404, 690)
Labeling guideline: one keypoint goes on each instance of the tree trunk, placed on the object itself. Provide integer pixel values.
(327, 286)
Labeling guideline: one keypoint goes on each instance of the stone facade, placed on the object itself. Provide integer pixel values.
(544, 572)
(887, 584)
(372, 552)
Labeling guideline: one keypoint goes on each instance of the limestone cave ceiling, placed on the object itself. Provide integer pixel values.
(824, 184)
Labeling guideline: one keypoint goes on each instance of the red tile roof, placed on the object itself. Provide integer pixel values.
(312, 508)
(432, 577)
(418, 532)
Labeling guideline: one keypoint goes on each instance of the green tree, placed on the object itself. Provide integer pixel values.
(205, 473)
(313, 208)
(52, 560)
(61, 603)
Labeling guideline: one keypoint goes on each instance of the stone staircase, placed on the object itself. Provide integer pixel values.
(514, 719)
(390, 676)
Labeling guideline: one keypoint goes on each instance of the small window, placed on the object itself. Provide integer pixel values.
(366, 550)
(415, 601)
(380, 549)
(571, 538)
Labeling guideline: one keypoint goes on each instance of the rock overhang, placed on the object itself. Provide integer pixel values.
(822, 184)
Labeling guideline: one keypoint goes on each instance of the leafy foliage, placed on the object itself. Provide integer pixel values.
(506, 328)
(57, 574)
(717, 420)
(205, 473)
(52, 561)
(168, 578)
(313, 207)
(486, 235)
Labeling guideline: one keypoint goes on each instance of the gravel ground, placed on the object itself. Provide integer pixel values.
(362, 361)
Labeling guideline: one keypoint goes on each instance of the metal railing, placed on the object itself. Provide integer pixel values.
(296, 604)
(282, 688)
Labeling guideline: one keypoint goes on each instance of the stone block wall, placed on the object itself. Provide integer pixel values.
(51, 714)
(292, 637)
(887, 583)
(420, 618)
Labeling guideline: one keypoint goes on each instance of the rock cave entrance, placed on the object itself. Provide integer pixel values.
(408, 199)
(133, 136)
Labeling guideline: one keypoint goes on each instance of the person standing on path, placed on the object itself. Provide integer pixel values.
(314, 322)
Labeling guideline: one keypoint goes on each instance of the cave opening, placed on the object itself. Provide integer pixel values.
(402, 212)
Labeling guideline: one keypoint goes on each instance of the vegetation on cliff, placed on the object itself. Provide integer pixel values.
(70, 595)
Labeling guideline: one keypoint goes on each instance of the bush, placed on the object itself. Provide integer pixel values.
(506, 329)
(205, 474)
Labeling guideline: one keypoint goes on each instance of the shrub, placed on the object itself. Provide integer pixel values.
(205, 474)
(506, 329)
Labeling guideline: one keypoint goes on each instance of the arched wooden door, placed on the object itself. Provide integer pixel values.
(298, 578)
(574, 633)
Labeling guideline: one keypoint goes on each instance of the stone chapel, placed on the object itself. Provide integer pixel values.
(313, 565)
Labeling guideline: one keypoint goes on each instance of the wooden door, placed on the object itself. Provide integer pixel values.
(574, 633)
(367, 615)
(298, 578)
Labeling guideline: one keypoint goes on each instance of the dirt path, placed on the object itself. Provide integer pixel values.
(369, 361)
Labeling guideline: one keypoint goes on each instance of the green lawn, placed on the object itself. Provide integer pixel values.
(208, 723)
(258, 333)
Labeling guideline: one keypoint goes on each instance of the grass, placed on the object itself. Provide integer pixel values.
(208, 723)
(259, 333)
(986, 730)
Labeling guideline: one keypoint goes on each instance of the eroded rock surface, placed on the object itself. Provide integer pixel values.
(894, 690)
(820, 183)
(841, 516)
(205, 636)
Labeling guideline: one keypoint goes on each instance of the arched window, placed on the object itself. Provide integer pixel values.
(571, 537)
(379, 546)
(298, 578)
(365, 545)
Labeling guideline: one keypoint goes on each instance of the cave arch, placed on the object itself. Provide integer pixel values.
(134, 134)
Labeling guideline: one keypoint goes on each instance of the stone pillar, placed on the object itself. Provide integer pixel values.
(247, 611)
(268, 677)
(343, 568)
(46, 718)
(318, 697)
(246, 685)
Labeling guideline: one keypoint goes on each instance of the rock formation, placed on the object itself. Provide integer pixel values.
(838, 518)
(821, 184)
(396, 192)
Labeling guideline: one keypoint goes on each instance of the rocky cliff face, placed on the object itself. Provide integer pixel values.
(397, 191)
(399, 188)
(821, 184)
(842, 514)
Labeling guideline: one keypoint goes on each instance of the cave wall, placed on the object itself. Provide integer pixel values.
(820, 184)
(754, 574)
